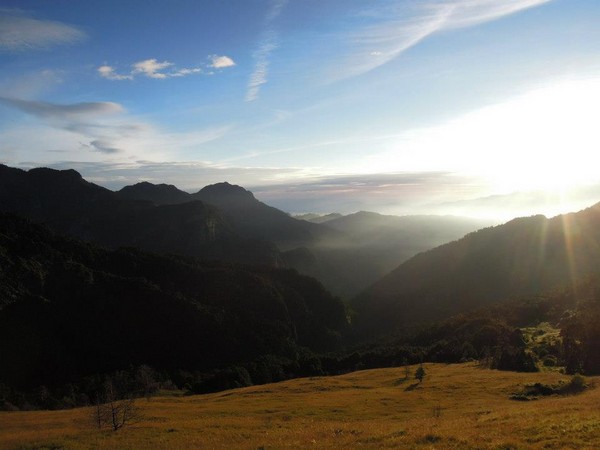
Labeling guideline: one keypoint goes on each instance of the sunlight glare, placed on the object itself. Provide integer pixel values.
(546, 139)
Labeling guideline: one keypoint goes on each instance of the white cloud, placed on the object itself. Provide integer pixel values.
(268, 43)
(220, 62)
(109, 73)
(152, 68)
(21, 33)
(392, 27)
(184, 72)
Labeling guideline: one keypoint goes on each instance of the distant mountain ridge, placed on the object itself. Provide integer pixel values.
(318, 218)
(225, 222)
(346, 253)
(369, 245)
(522, 257)
(68, 204)
(249, 217)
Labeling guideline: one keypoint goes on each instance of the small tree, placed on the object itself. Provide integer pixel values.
(406, 369)
(420, 373)
(112, 410)
(145, 378)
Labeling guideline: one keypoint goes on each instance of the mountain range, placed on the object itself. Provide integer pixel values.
(202, 286)
(68, 204)
(224, 222)
(395, 270)
(346, 253)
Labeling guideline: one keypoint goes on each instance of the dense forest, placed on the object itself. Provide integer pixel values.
(71, 310)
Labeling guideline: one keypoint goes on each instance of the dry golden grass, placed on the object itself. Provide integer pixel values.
(457, 406)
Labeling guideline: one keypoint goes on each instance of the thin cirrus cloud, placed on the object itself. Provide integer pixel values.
(399, 192)
(395, 26)
(152, 68)
(88, 119)
(102, 146)
(19, 32)
(268, 43)
(57, 111)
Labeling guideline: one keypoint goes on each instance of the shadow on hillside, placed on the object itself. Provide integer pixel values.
(400, 381)
(412, 387)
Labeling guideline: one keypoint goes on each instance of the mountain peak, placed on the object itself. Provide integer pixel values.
(160, 194)
(46, 173)
(226, 188)
(145, 186)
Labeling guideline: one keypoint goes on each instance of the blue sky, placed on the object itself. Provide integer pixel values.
(475, 107)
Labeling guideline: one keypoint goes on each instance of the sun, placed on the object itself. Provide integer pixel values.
(545, 139)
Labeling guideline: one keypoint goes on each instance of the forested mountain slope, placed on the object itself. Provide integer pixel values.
(524, 256)
(69, 309)
(68, 204)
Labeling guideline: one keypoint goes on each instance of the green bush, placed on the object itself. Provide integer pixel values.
(549, 361)
(577, 383)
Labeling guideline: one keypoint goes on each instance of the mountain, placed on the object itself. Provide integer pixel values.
(522, 257)
(252, 218)
(225, 222)
(369, 245)
(159, 194)
(68, 204)
(346, 253)
(249, 217)
(317, 218)
(70, 309)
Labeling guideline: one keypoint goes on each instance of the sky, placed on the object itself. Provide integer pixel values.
(484, 108)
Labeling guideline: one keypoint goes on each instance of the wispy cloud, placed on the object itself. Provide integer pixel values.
(74, 111)
(102, 147)
(160, 70)
(395, 193)
(19, 32)
(94, 130)
(392, 27)
(30, 84)
(268, 43)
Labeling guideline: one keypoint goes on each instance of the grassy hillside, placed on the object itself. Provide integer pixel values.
(456, 406)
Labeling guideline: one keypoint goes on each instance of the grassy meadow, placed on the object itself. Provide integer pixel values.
(456, 406)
